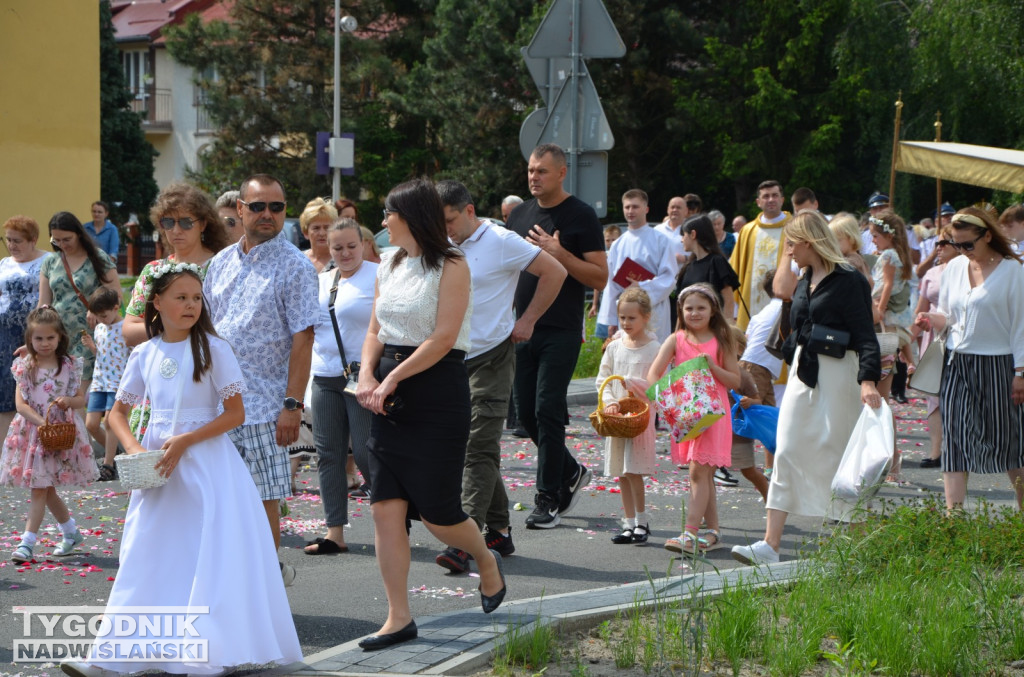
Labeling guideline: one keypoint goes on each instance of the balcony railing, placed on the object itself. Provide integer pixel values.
(155, 106)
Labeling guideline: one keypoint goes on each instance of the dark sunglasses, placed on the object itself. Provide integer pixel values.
(965, 246)
(185, 222)
(943, 243)
(230, 221)
(258, 207)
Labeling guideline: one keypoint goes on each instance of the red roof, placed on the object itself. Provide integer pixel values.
(145, 19)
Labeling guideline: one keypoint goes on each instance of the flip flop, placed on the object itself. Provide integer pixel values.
(325, 546)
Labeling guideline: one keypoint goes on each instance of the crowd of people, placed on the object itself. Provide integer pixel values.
(407, 363)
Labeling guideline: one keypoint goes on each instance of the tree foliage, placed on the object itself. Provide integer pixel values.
(126, 157)
(710, 97)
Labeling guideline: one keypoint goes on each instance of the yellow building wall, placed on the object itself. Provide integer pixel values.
(49, 109)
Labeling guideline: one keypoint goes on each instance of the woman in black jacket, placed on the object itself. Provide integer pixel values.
(822, 401)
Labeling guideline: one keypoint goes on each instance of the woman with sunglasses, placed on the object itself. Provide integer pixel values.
(981, 306)
(190, 230)
(413, 378)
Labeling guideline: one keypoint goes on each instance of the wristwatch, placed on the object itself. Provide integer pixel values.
(291, 404)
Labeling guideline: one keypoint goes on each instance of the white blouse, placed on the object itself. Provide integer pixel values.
(353, 307)
(407, 303)
(988, 319)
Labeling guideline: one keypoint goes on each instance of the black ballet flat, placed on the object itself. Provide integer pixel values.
(378, 642)
(492, 602)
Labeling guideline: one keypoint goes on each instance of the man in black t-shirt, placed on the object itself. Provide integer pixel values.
(567, 228)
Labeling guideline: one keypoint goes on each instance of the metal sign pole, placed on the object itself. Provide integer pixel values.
(336, 172)
(574, 101)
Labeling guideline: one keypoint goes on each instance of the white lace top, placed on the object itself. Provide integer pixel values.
(407, 303)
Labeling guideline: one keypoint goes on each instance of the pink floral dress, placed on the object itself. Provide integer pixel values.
(25, 463)
(714, 446)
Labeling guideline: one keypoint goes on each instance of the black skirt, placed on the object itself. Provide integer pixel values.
(418, 451)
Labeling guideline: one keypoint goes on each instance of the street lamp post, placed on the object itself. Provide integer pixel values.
(346, 24)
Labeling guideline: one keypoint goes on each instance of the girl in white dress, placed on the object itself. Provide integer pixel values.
(630, 355)
(181, 538)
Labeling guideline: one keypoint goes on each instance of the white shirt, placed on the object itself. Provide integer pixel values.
(867, 245)
(496, 256)
(353, 307)
(986, 320)
(758, 330)
(647, 247)
(675, 237)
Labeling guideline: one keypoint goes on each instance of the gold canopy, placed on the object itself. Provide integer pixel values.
(999, 168)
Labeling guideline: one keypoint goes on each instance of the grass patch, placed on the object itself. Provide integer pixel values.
(589, 360)
(912, 592)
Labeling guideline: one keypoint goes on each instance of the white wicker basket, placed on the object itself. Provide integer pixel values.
(138, 471)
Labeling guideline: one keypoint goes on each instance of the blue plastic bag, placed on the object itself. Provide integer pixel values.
(758, 422)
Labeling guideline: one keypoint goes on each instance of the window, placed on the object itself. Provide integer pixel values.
(136, 73)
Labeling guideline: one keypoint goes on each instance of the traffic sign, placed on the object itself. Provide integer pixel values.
(592, 180)
(529, 133)
(592, 129)
(598, 38)
(548, 74)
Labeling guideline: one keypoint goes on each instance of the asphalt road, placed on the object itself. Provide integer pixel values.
(338, 598)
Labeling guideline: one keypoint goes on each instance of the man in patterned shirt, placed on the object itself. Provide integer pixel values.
(263, 300)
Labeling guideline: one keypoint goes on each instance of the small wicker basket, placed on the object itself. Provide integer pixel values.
(57, 436)
(138, 471)
(632, 419)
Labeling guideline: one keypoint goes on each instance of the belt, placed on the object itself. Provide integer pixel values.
(399, 353)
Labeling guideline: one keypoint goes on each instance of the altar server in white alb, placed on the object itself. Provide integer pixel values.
(650, 249)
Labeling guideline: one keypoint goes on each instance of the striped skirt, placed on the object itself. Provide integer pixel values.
(982, 429)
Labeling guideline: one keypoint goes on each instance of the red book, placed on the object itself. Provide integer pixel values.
(631, 270)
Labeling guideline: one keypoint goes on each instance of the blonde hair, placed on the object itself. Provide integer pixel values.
(845, 226)
(637, 296)
(810, 227)
(316, 208)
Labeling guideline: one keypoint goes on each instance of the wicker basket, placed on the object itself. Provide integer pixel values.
(632, 419)
(138, 471)
(57, 436)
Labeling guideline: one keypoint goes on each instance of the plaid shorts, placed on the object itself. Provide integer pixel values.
(268, 463)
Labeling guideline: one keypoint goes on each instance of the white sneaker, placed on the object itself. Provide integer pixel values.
(79, 669)
(758, 553)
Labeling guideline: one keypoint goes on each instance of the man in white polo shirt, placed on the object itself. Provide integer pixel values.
(496, 257)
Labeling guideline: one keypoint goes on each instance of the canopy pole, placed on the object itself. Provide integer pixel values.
(895, 149)
(938, 182)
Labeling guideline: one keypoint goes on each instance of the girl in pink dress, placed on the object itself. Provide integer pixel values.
(46, 375)
(701, 330)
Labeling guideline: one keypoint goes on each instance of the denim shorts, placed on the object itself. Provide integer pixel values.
(100, 401)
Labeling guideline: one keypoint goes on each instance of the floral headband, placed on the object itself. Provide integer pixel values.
(703, 289)
(886, 228)
(173, 268)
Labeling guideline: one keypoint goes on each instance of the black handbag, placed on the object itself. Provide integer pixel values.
(780, 332)
(827, 341)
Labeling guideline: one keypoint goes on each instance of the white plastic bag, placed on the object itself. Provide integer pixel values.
(867, 457)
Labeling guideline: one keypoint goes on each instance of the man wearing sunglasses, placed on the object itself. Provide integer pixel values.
(263, 300)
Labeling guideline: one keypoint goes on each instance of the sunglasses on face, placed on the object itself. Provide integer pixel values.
(230, 221)
(965, 246)
(167, 223)
(943, 243)
(258, 207)
(388, 211)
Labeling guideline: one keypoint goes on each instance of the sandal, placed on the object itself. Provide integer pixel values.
(324, 546)
(686, 543)
(714, 544)
(108, 473)
(23, 553)
(362, 491)
(640, 534)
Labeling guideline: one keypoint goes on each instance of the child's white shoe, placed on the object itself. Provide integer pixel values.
(23, 553)
(68, 544)
(79, 669)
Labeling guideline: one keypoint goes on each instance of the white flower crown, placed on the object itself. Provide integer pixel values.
(882, 224)
(171, 268)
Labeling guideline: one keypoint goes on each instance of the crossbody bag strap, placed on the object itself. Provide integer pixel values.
(334, 320)
(71, 281)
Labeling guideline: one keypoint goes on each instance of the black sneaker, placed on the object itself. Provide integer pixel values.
(454, 560)
(545, 515)
(724, 478)
(571, 492)
(499, 542)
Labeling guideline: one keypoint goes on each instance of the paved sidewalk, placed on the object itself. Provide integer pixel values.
(461, 642)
